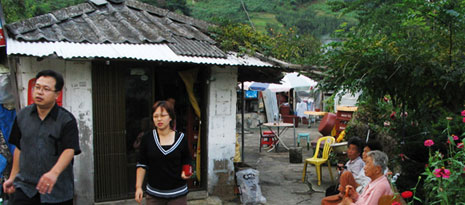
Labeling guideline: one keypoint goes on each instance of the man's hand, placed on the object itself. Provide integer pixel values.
(46, 182)
(8, 186)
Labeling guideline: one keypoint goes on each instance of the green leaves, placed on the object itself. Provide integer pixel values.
(406, 52)
(286, 46)
(414, 52)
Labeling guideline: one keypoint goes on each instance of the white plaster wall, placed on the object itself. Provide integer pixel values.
(221, 125)
(77, 98)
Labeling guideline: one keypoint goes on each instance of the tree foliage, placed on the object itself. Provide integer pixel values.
(287, 46)
(411, 50)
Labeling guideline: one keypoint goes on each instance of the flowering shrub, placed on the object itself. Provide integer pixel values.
(411, 139)
(445, 174)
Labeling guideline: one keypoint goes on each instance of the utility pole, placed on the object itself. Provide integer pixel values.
(247, 13)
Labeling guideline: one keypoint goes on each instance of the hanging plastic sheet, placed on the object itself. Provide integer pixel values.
(6, 94)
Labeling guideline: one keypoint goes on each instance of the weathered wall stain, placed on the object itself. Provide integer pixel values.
(224, 186)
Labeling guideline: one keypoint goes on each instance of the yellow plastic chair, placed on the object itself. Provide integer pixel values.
(318, 161)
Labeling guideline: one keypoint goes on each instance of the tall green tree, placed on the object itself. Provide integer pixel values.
(411, 50)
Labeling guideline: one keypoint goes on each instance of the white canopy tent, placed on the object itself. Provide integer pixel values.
(290, 80)
(298, 81)
(273, 87)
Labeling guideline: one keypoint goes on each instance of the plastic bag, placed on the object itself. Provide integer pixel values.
(6, 95)
(251, 193)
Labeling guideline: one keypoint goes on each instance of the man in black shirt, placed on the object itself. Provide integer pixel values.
(46, 139)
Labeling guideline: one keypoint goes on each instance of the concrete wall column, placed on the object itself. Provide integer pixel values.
(221, 115)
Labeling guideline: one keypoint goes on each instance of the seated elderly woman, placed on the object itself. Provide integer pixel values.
(349, 173)
(375, 165)
(361, 179)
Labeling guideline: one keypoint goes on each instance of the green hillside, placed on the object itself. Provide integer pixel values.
(307, 16)
(261, 19)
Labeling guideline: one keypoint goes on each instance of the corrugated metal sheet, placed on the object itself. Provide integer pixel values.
(149, 52)
(128, 22)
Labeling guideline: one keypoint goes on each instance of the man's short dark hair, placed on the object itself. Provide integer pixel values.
(357, 142)
(374, 145)
(57, 76)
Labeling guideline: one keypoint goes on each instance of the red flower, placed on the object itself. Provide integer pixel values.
(406, 194)
(429, 143)
(396, 203)
(454, 137)
(444, 173)
(393, 115)
(463, 120)
(437, 172)
(401, 155)
(463, 113)
(460, 145)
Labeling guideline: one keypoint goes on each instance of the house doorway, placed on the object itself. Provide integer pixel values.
(123, 95)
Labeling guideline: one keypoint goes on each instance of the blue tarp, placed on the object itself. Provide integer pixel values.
(7, 118)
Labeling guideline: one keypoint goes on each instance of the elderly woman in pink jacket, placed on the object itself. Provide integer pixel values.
(375, 165)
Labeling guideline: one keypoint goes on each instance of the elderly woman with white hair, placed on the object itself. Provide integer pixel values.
(375, 165)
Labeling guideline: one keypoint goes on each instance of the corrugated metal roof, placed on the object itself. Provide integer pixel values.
(116, 22)
(149, 52)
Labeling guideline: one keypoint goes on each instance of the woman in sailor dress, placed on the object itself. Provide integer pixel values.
(163, 152)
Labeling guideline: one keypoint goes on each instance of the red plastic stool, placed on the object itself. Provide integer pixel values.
(266, 138)
(268, 133)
